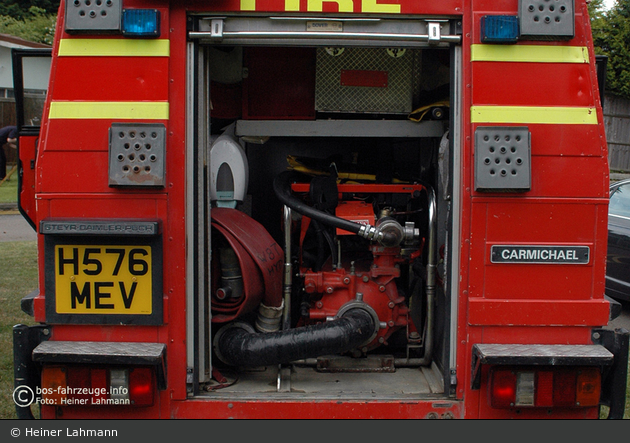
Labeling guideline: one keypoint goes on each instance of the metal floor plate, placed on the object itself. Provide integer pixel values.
(406, 383)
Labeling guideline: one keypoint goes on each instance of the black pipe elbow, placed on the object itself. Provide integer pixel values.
(282, 189)
(239, 347)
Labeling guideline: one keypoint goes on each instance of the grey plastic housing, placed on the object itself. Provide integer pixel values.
(229, 170)
(546, 19)
(502, 159)
(93, 16)
(137, 154)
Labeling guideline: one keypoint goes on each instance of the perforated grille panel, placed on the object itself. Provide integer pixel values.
(546, 19)
(502, 159)
(136, 154)
(93, 15)
(363, 93)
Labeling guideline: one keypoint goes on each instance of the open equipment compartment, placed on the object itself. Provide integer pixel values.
(323, 222)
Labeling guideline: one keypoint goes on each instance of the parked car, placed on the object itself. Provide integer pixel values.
(618, 260)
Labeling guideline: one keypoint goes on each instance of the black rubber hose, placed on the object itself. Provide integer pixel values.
(324, 236)
(321, 253)
(282, 188)
(238, 347)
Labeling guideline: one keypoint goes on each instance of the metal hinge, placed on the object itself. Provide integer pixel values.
(453, 382)
(190, 373)
(216, 28)
(434, 31)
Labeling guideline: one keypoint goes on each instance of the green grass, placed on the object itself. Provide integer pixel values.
(18, 277)
(8, 190)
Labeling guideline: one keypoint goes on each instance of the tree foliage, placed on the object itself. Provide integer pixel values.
(595, 8)
(611, 37)
(21, 9)
(36, 26)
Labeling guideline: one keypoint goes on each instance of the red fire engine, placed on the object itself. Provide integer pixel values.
(318, 208)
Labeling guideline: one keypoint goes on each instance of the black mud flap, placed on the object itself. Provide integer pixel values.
(26, 373)
(616, 376)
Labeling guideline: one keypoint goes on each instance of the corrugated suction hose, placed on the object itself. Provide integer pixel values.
(238, 346)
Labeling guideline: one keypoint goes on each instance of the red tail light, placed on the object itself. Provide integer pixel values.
(564, 388)
(503, 388)
(86, 386)
(141, 386)
(544, 387)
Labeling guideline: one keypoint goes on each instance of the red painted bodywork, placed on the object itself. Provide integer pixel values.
(28, 154)
(497, 303)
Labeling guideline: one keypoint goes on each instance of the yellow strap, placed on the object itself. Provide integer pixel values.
(295, 165)
(110, 110)
(424, 109)
(92, 47)
(533, 114)
(529, 53)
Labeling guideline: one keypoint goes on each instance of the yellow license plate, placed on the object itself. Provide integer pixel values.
(103, 279)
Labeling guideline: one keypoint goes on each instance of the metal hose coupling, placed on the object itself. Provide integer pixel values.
(269, 318)
(389, 233)
(370, 232)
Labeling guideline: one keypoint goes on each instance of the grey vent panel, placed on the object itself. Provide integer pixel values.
(546, 19)
(93, 15)
(502, 159)
(136, 154)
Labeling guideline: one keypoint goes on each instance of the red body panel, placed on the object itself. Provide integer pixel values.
(143, 79)
(279, 88)
(496, 303)
(28, 154)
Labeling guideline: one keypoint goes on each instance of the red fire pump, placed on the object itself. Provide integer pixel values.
(365, 277)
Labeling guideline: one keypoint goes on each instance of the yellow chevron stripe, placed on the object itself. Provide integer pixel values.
(92, 47)
(529, 53)
(110, 110)
(533, 114)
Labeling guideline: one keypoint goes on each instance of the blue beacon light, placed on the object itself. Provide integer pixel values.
(499, 29)
(141, 22)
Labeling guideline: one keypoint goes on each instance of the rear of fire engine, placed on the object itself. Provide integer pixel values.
(319, 208)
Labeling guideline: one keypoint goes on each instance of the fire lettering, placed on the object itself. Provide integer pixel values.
(375, 6)
(318, 5)
(367, 6)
